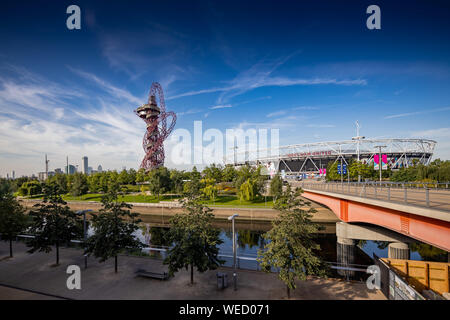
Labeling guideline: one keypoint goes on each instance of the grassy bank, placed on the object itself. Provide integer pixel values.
(222, 200)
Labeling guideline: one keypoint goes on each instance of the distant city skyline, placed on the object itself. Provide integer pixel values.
(308, 69)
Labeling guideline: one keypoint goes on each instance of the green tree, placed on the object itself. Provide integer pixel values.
(213, 172)
(30, 188)
(60, 179)
(195, 241)
(191, 188)
(94, 182)
(229, 173)
(276, 187)
(113, 227)
(177, 178)
(53, 223)
(356, 169)
(132, 176)
(290, 248)
(113, 177)
(248, 190)
(210, 189)
(12, 217)
(79, 185)
(159, 181)
(123, 177)
(141, 175)
(17, 183)
(104, 182)
(254, 174)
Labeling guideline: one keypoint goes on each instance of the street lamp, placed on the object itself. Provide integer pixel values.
(234, 249)
(380, 162)
(83, 212)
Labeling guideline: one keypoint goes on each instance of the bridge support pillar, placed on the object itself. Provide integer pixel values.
(398, 250)
(345, 255)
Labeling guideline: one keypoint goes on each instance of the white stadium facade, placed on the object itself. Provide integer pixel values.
(313, 158)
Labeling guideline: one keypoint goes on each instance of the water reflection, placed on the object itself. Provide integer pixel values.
(153, 232)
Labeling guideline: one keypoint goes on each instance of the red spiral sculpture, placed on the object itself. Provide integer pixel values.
(157, 131)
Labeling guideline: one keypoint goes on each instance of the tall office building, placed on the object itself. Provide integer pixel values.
(70, 169)
(85, 165)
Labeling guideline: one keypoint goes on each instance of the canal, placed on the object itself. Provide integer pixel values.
(250, 239)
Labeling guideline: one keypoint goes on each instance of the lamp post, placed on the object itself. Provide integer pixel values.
(234, 249)
(83, 212)
(380, 162)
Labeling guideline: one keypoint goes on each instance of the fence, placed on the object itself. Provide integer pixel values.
(423, 275)
(429, 195)
(393, 285)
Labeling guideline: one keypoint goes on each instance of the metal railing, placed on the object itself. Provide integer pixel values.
(430, 195)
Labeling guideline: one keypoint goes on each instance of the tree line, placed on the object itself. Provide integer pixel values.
(246, 182)
(436, 171)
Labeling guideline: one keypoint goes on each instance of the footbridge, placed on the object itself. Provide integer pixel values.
(421, 212)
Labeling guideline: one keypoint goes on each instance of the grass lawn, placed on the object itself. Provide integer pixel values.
(233, 201)
(126, 198)
(221, 200)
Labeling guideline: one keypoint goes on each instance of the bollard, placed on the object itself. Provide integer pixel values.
(405, 194)
(389, 193)
(427, 196)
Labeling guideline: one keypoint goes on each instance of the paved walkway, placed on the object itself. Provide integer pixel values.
(10, 293)
(35, 272)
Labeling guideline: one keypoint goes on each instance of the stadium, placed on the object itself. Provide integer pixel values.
(313, 158)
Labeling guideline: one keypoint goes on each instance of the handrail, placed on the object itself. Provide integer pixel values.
(437, 196)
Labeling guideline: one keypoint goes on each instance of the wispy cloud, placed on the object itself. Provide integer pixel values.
(40, 117)
(321, 126)
(305, 108)
(107, 87)
(441, 136)
(276, 113)
(261, 75)
(221, 106)
(408, 114)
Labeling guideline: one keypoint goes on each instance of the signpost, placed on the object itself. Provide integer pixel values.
(343, 171)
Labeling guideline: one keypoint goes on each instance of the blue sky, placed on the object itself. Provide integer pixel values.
(310, 69)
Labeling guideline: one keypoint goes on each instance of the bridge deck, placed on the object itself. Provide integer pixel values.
(438, 199)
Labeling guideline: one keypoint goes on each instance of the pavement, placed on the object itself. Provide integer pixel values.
(34, 276)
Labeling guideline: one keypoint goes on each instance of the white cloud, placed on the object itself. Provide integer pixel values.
(221, 106)
(109, 88)
(276, 113)
(40, 117)
(260, 75)
(305, 108)
(441, 136)
(321, 126)
(408, 114)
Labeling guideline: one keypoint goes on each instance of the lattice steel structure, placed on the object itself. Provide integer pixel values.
(157, 131)
(312, 157)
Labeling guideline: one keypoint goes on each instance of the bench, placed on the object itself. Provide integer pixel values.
(153, 275)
